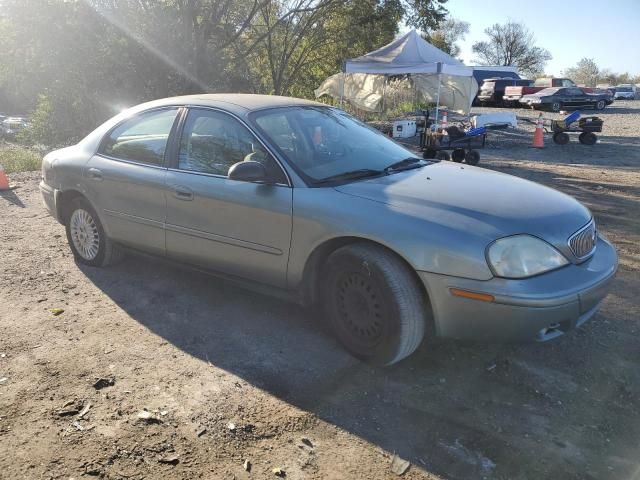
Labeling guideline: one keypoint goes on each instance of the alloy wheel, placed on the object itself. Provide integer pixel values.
(84, 234)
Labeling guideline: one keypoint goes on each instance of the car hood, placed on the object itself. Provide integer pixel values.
(480, 204)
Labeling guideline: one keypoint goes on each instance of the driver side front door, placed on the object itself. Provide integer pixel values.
(233, 227)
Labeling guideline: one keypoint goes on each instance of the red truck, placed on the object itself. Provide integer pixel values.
(512, 95)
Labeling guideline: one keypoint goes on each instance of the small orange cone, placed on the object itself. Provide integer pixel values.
(4, 181)
(538, 136)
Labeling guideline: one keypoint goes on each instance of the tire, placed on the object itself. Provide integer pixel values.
(588, 138)
(375, 305)
(561, 138)
(442, 155)
(556, 106)
(457, 155)
(600, 105)
(81, 224)
(429, 154)
(472, 157)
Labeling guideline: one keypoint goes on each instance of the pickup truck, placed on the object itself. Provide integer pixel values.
(493, 89)
(512, 95)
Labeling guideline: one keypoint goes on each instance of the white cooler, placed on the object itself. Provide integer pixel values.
(404, 128)
(498, 118)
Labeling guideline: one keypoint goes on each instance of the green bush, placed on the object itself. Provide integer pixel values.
(15, 158)
(40, 130)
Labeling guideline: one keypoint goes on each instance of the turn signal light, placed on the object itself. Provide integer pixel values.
(484, 297)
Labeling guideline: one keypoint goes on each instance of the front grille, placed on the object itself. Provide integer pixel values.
(583, 242)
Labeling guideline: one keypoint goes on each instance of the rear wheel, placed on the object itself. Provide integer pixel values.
(561, 138)
(556, 106)
(86, 236)
(587, 138)
(472, 157)
(457, 155)
(374, 302)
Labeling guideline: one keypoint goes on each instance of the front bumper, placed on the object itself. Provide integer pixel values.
(49, 198)
(539, 308)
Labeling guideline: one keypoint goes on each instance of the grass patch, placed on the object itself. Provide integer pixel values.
(15, 158)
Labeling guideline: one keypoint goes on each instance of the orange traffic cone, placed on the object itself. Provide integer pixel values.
(538, 136)
(4, 181)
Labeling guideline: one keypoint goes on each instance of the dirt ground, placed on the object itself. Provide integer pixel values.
(199, 376)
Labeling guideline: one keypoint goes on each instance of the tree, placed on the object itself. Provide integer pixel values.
(424, 15)
(586, 72)
(511, 44)
(446, 36)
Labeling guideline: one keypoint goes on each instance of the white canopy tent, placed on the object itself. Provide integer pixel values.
(436, 74)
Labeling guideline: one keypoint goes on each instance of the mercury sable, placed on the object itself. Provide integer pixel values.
(299, 198)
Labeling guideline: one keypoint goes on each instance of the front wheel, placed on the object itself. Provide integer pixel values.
(556, 106)
(86, 236)
(442, 156)
(601, 105)
(561, 138)
(376, 307)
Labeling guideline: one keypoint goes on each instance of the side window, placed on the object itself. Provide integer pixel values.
(567, 83)
(213, 141)
(143, 138)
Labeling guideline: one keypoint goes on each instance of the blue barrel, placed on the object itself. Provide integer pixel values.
(572, 117)
(475, 131)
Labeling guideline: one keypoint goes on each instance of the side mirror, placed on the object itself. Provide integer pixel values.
(248, 171)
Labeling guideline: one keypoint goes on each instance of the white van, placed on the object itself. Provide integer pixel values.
(626, 91)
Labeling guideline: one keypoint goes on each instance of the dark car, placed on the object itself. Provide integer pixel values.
(492, 89)
(560, 98)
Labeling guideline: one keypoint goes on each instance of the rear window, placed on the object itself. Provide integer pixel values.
(142, 138)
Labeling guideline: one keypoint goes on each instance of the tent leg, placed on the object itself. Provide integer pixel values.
(438, 99)
(342, 89)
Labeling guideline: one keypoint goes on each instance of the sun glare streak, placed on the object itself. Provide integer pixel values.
(109, 17)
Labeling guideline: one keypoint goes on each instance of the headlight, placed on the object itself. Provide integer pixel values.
(522, 256)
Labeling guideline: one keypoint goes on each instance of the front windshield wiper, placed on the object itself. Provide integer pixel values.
(351, 175)
(406, 164)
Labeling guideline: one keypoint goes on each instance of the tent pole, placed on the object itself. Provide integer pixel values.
(439, 69)
(438, 99)
(342, 84)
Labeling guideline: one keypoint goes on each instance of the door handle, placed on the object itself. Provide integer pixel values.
(182, 193)
(95, 174)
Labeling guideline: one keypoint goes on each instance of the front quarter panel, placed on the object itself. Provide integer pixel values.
(324, 214)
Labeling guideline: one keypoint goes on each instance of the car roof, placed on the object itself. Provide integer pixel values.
(240, 103)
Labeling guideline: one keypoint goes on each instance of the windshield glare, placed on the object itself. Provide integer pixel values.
(322, 142)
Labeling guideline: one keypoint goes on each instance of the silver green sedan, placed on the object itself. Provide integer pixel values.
(300, 199)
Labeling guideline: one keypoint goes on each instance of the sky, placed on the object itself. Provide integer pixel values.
(607, 31)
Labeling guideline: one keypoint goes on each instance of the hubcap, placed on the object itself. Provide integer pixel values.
(359, 309)
(84, 234)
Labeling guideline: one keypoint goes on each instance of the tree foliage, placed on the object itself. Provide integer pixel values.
(511, 44)
(586, 72)
(447, 35)
(74, 63)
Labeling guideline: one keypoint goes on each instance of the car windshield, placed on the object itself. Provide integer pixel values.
(324, 144)
(623, 89)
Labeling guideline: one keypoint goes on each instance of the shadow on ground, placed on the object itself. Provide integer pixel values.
(463, 411)
(11, 196)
